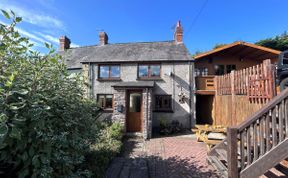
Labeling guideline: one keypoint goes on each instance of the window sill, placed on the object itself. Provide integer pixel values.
(107, 110)
(109, 79)
(150, 79)
(168, 111)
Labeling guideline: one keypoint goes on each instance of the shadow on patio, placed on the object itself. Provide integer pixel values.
(161, 157)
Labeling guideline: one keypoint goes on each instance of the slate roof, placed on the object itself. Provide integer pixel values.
(138, 84)
(126, 52)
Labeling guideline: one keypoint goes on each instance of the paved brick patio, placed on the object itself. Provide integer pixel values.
(170, 157)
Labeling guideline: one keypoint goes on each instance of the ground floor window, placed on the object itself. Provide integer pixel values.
(105, 101)
(163, 103)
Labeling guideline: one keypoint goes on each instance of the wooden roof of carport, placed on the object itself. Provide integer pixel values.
(243, 50)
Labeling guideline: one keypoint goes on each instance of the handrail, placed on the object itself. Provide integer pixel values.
(276, 100)
(258, 135)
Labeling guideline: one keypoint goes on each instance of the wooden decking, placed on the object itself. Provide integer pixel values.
(257, 145)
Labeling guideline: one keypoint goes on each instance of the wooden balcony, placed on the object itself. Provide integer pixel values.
(205, 85)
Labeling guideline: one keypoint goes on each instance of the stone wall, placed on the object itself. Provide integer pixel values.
(119, 99)
(85, 72)
(173, 85)
(179, 80)
(147, 113)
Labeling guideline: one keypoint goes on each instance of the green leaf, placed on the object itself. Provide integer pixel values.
(47, 107)
(19, 121)
(31, 152)
(35, 161)
(12, 12)
(14, 108)
(47, 45)
(8, 84)
(3, 117)
(24, 156)
(12, 77)
(3, 130)
(23, 173)
(6, 14)
(15, 133)
(54, 60)
(22, 92)
(18, 19)
(2, 145)
(44, 159)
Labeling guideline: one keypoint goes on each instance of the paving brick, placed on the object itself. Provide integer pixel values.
(170, 157)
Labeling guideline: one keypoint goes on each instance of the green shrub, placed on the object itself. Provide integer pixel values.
(46, 126)
(169, 128)
(107, 147)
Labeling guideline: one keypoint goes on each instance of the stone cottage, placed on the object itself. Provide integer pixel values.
(140, 83)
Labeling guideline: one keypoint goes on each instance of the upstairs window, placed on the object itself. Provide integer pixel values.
(105, 101)
(149, 71)
(285, 58)
(219, 69)
(224, 69)
(229, 68)
(163, 103)
(109, 72)
(201, 71)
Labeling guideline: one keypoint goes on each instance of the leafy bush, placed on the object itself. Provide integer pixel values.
(279, 42)
(46, 126)
(169, 128)
(107, 147)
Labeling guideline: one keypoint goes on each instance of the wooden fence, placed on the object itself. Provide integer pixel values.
(257, 82)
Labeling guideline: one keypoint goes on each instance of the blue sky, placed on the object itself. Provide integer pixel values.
(220, 21)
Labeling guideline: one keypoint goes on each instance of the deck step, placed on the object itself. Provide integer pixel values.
(280, 167)
(279, 171)
(274, 173)
(218, 165)
(222, 154)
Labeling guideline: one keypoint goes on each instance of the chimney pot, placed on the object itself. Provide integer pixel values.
(103, 37)
(178, 35)
(64, 43)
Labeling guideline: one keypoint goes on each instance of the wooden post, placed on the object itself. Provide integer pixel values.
(271, 78)
(214, 115)
(233, 104)
(232, 152)
(216, 85)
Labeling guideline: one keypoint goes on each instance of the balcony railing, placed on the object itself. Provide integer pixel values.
(205, 82)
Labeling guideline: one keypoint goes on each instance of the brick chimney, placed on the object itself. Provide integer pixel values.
(64, 43)
(103, 37)
(178, 35)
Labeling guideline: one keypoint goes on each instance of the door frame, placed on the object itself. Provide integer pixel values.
(128, 105)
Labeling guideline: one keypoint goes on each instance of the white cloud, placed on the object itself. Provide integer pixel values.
(38, 38)
(36, 44)
(33, 17)
(54, 40)
(49, 38)
(35, 39)
(30, 35)
(73, 45)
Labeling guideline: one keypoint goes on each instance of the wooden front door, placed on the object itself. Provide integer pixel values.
(134, 113)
